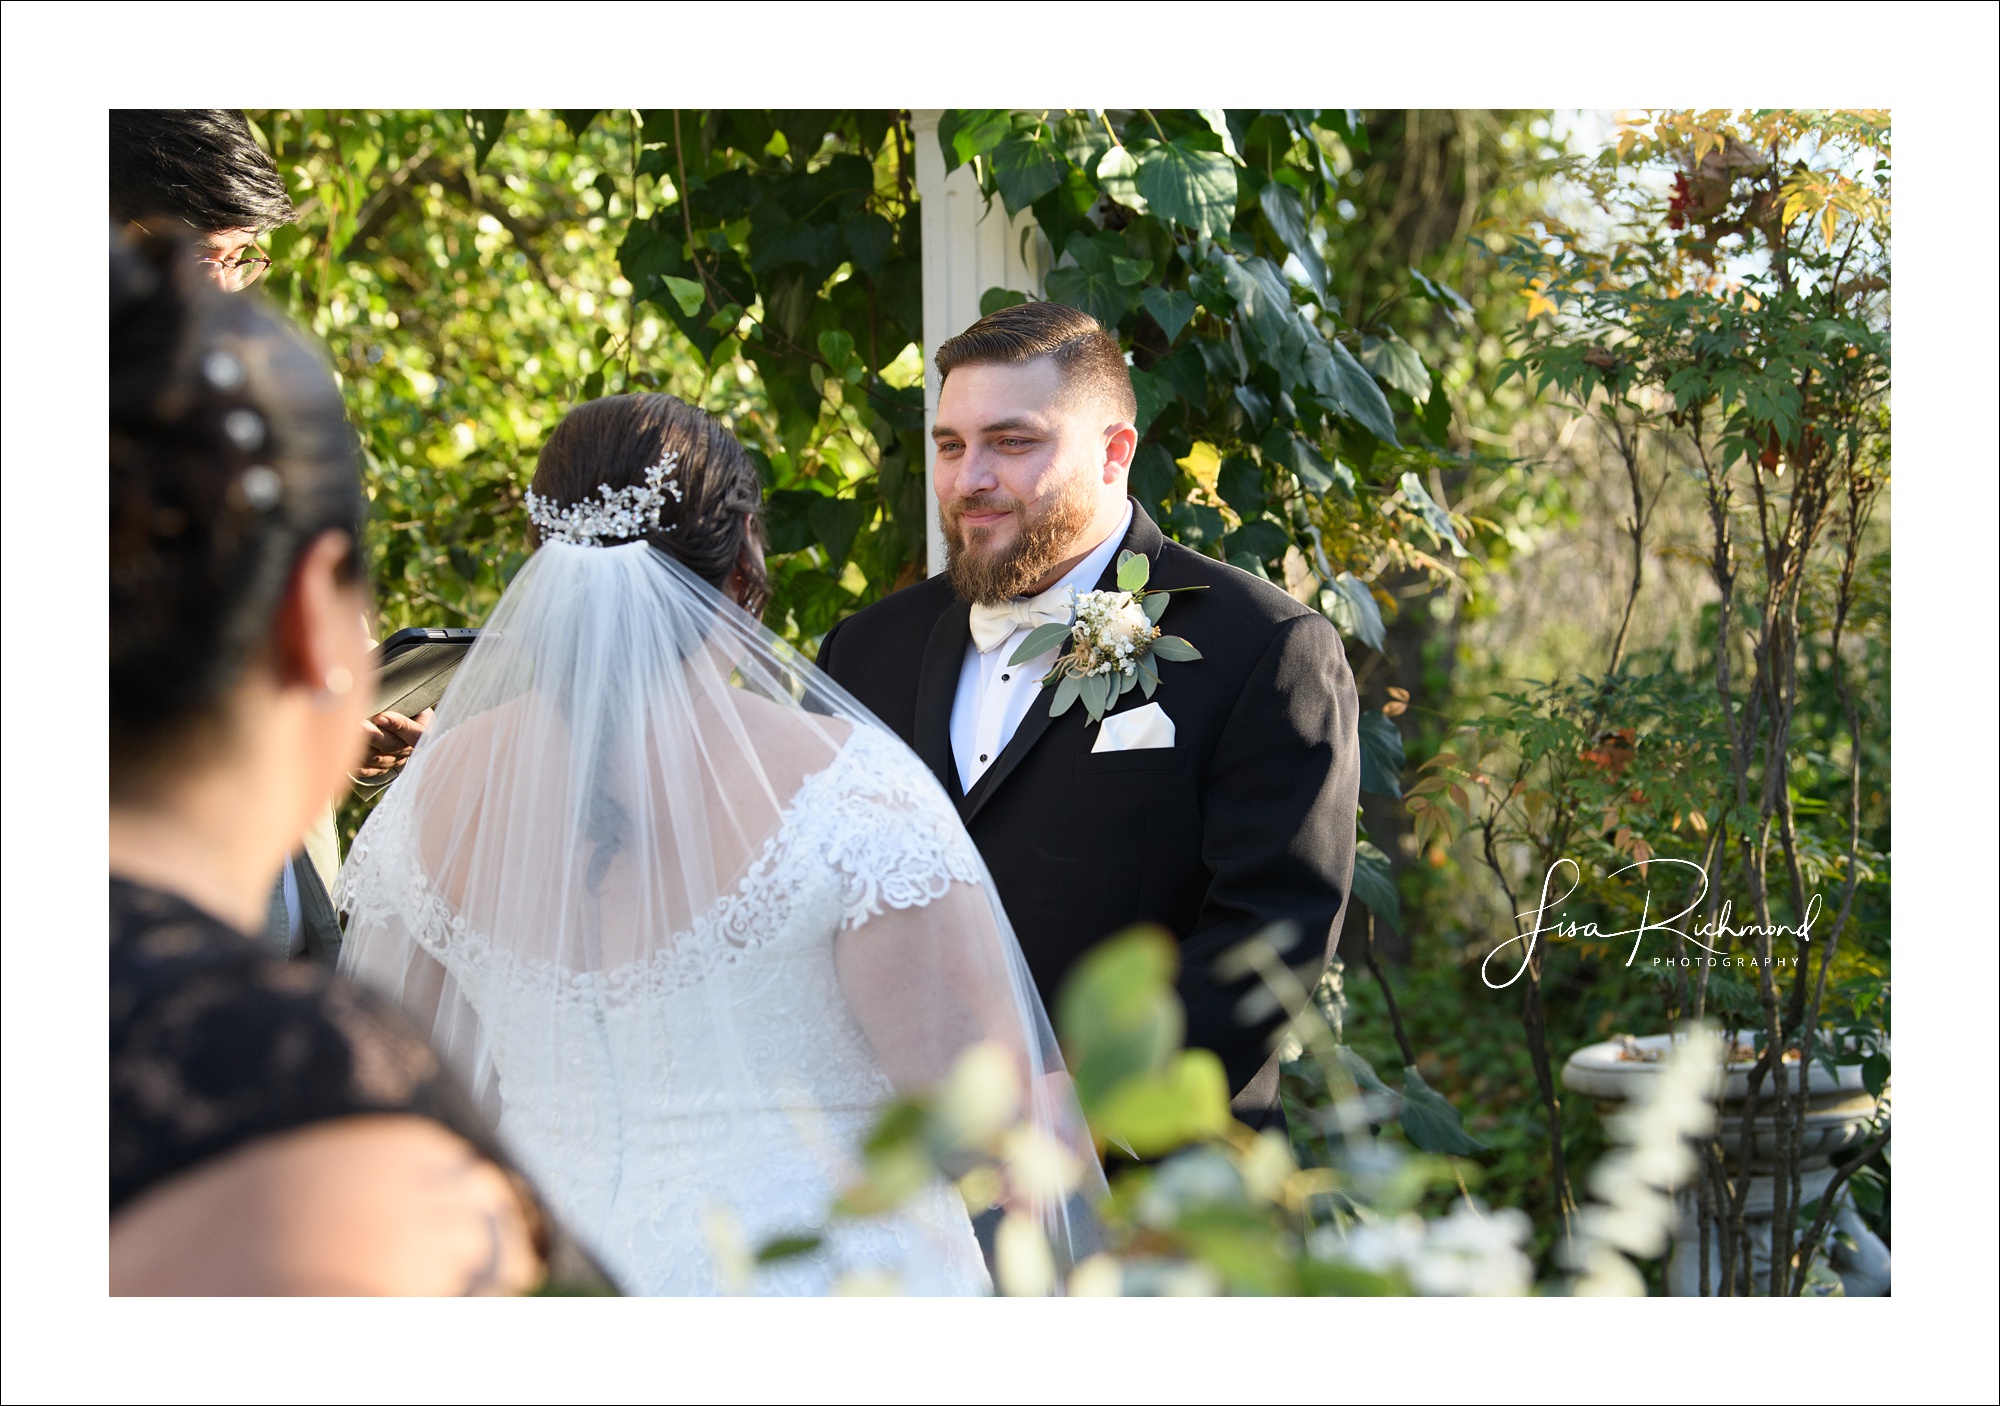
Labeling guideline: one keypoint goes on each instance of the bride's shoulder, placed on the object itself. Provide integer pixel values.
(789, 742)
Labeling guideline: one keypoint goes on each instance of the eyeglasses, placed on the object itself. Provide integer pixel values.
(238, 272)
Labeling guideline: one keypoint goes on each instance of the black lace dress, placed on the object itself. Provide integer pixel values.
(215, 1044)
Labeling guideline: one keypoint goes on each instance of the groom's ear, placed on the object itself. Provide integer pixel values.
(1121, 442)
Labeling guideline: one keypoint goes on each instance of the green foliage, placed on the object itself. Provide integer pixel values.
(1278, 430)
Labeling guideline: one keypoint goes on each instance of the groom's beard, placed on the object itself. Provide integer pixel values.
(985, 574)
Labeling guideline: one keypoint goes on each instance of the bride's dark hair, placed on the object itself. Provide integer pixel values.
(614, 441)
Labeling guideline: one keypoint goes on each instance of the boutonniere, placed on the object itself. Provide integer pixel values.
(1115, 643)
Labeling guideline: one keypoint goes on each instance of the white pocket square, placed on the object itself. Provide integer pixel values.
(1142, 727)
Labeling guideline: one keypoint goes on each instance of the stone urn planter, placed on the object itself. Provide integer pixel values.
(1839, 1111)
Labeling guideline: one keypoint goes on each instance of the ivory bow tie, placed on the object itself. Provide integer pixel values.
(992, 624)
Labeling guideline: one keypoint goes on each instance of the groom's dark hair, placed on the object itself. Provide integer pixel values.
(1084, 353)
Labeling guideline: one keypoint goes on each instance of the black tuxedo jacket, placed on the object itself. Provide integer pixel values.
(1247, 819)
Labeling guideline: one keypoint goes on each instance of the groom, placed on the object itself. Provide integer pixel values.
(1228, 807)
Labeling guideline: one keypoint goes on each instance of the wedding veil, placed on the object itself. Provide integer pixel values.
(597, 885)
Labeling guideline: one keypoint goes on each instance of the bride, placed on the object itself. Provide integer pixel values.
(683, 914)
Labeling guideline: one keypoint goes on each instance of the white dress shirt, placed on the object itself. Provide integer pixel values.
(993, 695)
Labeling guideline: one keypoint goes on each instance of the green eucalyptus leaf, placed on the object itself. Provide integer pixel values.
(1175, 649)
(1040, 641)
(1133, 571)
(1067, 690)
(1095, 691)
(1155, 605)
(1188, 184)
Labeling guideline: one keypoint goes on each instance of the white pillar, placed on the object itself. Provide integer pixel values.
(969, 247)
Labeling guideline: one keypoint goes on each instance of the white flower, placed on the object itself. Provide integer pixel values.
(1471, 1252)
(1111, 631)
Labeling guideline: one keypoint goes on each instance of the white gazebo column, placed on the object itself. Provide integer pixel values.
(969, 247)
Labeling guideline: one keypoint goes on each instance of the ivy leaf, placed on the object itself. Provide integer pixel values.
(1152, 474)
(1875, 1073)
(1184, 181)
(964, 133)
(1434, 517)
(1241, 483)
(1352, 608)
(686, 292)
(1130, 272)
(1133, 571)
(1153, 395)
(1082, 139)
(994, 299)
(1381, 753)
(1346, 384)
(1394, 361)
(1172, 308)
(870, 239)
(1449, 298)
(1287, 214)
(1117, 177)
(1375, 883)
(1432, 1124)
(1261, 539)
(1026, 166)
(486, 125)
(1091, 284)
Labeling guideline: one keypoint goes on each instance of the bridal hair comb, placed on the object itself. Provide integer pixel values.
(616, 515)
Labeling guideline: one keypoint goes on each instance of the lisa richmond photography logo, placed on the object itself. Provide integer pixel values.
(1717, 929)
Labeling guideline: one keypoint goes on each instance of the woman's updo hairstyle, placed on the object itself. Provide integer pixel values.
(614, 441)
(230, 454)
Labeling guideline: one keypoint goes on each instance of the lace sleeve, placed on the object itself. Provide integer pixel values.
(890, 832)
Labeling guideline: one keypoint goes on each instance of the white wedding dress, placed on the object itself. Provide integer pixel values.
(687, 922)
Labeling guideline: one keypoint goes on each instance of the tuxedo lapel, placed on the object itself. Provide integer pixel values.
(937, 685)
(1142, 537)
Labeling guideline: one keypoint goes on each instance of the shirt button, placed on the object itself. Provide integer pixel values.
(1005, 677)
(982, 756)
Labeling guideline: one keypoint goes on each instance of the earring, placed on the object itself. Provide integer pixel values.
(339, 682)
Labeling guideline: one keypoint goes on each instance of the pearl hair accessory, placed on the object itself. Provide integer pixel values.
(618, 515)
